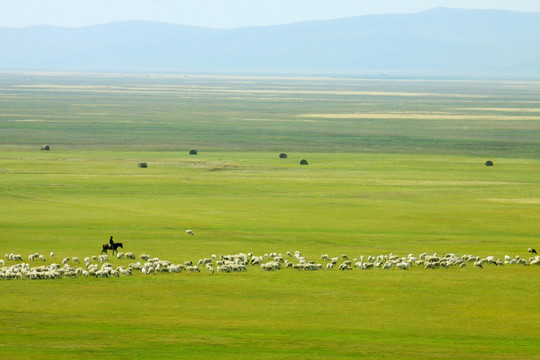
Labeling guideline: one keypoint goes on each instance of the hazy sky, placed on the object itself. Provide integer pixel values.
(222, 13)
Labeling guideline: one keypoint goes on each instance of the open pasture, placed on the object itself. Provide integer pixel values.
(410, 182)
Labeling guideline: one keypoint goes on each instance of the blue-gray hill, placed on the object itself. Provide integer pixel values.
(438, 40)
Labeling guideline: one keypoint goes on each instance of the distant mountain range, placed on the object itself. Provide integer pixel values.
(439, 40)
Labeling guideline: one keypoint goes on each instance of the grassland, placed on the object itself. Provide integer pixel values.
(395, 166)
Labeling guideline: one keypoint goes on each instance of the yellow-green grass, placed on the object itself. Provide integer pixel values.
(373, 186)
(69, 202)
(379, 314)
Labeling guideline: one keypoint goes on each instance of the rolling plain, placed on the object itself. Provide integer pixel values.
(395, 166)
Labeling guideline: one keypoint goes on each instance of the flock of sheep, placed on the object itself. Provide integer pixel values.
(99, 266)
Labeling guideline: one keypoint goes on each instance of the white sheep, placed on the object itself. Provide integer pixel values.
(189, 232)
(403, 265)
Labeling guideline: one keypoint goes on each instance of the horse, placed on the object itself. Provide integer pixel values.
(112, 247)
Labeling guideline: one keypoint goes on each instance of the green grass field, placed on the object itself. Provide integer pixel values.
(395, 166)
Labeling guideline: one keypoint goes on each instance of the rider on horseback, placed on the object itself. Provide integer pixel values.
(111, 243)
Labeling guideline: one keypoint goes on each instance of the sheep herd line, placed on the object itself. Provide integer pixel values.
(99, 266)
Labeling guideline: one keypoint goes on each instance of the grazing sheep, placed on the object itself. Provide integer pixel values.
(267, 267)
(120, 255)
(238, 262)
(52, 254)
(32, 257)
(403, 265)
(189, 232)
(533, 251)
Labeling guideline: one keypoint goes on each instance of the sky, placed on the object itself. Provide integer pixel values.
(222, 13)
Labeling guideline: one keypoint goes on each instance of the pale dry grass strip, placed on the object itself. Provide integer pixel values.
(213, 90)
(526, 110)
(526, 201)
(419, 116)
